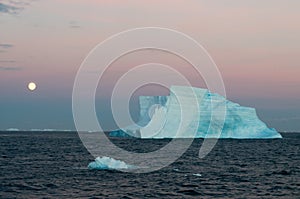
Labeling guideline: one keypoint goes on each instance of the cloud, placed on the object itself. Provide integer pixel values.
(4, 8)
(13, 6)
(5, 68)
(74, 24)
(7, 61)
(6, 46)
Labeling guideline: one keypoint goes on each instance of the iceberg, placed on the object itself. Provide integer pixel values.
(160, 117)
(108, 163)
(12, 129)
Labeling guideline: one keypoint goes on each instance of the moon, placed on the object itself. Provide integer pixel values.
(31, 86)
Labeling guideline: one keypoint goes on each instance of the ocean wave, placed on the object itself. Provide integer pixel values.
(197, 174)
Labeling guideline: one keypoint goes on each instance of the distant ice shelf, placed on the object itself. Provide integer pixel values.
(160, 117)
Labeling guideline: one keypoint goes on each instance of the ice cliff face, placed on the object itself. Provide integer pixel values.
(160, 117)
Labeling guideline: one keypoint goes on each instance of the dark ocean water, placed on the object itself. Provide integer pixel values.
(54, 165)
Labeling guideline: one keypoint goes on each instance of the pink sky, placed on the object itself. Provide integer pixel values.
(256, 44)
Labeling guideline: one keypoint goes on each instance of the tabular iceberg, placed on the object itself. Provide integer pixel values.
(164, 116)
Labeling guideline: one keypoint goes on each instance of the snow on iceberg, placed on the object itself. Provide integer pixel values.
(162, 120)
(108, 163)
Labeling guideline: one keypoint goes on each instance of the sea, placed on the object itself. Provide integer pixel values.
(55, 165)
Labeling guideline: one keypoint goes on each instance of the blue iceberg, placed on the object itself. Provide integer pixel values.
(108, 163)
(160, 117)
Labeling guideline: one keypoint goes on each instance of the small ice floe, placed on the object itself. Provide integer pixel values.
(197, 174)
(108, 163)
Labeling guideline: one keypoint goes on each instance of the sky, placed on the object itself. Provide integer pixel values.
(255, 44)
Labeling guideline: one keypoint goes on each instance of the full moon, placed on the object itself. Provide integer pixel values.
(31, 86)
